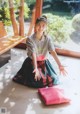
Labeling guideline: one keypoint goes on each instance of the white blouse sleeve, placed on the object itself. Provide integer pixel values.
(50, 45)
(30, 45)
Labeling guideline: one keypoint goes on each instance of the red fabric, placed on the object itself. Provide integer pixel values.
(53, 95)
(41, 58)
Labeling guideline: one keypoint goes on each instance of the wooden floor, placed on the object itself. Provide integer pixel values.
(18, 99)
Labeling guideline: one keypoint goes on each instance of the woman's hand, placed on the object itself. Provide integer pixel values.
(37, 75)
(62, 70)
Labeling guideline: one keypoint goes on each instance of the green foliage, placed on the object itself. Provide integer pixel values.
(29, 2)
(76, 22)
(5, 14)
(17, 6)
(26, 11)
(58, 28)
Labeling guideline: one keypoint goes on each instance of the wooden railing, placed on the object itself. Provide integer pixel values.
(8, 42)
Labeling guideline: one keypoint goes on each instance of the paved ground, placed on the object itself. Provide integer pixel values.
(19, 99)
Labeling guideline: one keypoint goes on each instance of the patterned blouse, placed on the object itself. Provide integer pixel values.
(40, 47)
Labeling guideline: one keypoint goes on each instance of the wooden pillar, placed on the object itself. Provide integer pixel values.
(3, 32)
(38, 6)
(37, 12)
(21, 18)
(13, 19)
(32, 23)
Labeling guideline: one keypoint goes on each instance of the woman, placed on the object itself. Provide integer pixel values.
(36, 70)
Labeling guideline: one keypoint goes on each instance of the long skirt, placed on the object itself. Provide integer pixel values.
(26, 76)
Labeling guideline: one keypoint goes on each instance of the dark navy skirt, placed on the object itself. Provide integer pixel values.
(25, 75)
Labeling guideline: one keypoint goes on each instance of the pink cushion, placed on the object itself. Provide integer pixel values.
(53, 95)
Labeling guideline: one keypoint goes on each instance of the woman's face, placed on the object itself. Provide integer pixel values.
(40, 27)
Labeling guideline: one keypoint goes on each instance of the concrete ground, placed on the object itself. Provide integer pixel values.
(18, 99)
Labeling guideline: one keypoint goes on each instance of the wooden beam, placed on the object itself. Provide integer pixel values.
(21, 18)
(3, 32)
(13, 19)
(8, 43)
(68, 53)
(32, 23)
(38, 6)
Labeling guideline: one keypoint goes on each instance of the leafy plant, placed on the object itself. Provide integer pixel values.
(26, 9)
(5, 14)
(58, 28)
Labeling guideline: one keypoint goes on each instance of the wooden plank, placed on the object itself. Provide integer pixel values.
(13, 19)
(66, 52)
(8, 43)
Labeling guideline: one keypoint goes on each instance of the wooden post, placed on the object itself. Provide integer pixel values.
(37, 12)
(32, 23)
(39, 4)
(12, 16)
(21, 18)
(3, 32)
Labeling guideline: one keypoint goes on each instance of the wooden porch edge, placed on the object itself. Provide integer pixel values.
(68, 53)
